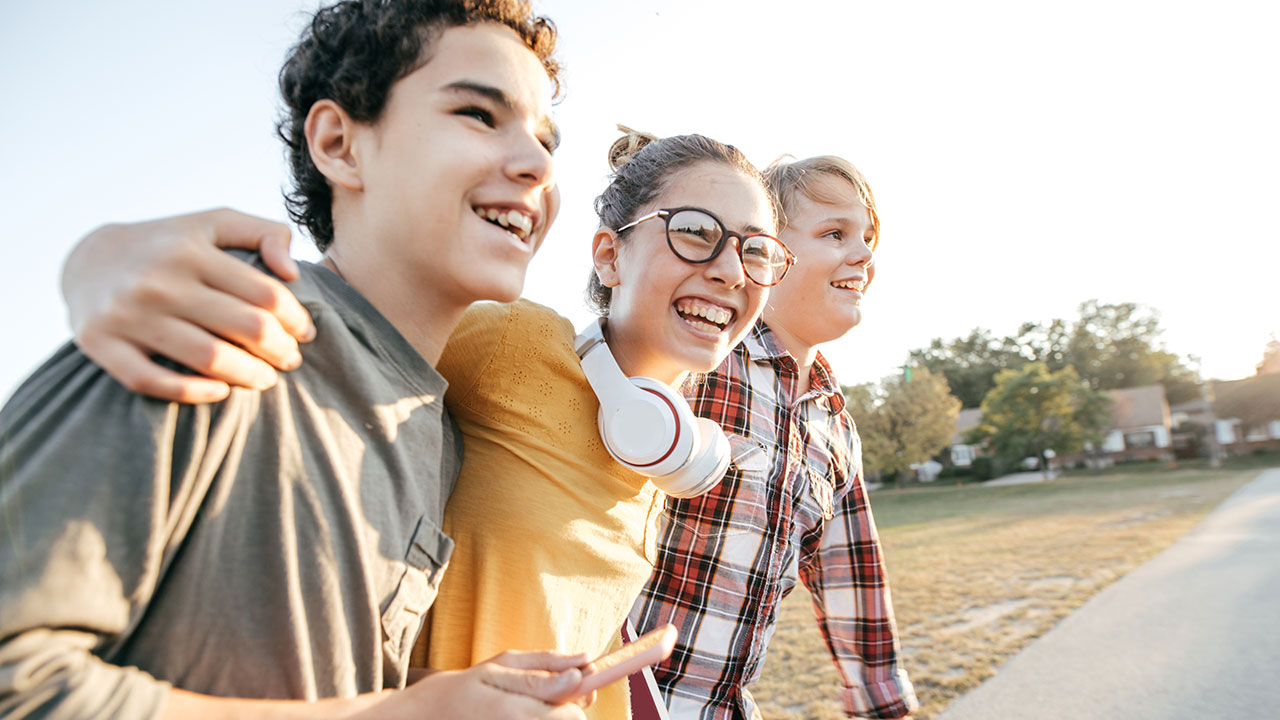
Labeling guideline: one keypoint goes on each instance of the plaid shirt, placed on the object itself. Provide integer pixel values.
(792, 506)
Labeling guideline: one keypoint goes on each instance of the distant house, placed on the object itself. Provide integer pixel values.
(1140, 429)
(1257, 398)
(1141, 425)
(962, 454)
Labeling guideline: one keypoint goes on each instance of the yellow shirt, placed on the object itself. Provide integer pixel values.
(553, 538)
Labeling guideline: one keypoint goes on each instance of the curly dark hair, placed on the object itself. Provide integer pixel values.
(642, 165)
(352, 52)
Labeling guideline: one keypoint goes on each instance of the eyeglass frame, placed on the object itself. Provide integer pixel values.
(667, 213)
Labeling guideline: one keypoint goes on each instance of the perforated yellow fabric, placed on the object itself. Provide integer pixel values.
(549, 530)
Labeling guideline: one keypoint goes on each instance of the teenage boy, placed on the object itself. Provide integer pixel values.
(793, 502)
(165, 560)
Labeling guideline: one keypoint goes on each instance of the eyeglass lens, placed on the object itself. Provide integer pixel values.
(695, 235)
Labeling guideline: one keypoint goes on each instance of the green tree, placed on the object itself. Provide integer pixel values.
(969, 364)
(1109, 345)
(903, 422)
(1034, 409)
(1118, 346)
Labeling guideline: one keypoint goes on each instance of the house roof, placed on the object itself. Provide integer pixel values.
(968, 418)
(1253, 400)
(1139, 407)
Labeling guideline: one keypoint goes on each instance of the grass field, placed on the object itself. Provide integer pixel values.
(977, 572)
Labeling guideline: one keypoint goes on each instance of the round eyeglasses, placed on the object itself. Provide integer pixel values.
(696, 236)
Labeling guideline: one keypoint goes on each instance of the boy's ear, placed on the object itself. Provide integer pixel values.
(604, 255)
(330, 134)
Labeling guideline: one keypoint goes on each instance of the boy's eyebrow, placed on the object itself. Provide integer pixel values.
(497, 95)
(834, 220)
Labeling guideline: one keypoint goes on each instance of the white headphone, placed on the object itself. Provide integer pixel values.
(648, 427)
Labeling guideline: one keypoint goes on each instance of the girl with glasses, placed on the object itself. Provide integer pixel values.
(554, 539)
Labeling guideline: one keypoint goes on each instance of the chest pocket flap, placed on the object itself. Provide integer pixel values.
(425, 562)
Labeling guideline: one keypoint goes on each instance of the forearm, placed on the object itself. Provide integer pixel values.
(854, 610)
(183, 705)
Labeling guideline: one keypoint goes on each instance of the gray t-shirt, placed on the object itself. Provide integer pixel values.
(278, 544)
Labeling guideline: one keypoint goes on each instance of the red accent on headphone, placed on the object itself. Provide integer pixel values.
(675, 441)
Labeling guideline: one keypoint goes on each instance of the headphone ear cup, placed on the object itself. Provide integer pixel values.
(649, 429)
(705, 469)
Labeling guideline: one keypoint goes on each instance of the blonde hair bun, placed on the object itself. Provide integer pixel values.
(626, 147)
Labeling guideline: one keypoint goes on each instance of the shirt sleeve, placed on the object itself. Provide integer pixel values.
(842, 565)
(471, 349)
(97, 487)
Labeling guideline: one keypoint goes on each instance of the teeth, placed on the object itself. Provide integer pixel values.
(849, 285)
(705, 327)
(514, 220)
(520, 220)
(717, 316)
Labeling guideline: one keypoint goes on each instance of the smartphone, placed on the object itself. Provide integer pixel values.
(648, 649)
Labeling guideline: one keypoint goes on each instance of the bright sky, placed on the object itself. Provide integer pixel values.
(1025, 156)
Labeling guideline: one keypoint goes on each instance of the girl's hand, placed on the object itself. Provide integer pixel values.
(165, 287)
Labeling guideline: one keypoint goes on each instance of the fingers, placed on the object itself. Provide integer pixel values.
(550, 687)
(565, 712)
(195, 348)
(227, 228)
(242, 304)
(139, 373)
(540, 660)
(249, 284)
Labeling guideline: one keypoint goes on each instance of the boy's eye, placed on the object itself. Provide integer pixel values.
(478, 113)
(835, 235)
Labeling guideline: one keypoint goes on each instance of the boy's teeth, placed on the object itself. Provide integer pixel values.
(514, 220)
(519, 220)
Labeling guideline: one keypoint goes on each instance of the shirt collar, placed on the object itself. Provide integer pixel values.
(763, 345)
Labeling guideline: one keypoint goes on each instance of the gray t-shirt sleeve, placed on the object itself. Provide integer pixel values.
(97, 487)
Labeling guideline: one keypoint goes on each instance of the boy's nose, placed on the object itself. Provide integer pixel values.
(530, 162)
(859, 254)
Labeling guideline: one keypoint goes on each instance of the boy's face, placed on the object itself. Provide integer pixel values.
(820, 298)
(457, 172)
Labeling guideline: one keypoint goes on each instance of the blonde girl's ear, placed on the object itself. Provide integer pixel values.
(604, 255)
(331, 141)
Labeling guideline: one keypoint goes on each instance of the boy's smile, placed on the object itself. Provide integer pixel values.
(456, 173)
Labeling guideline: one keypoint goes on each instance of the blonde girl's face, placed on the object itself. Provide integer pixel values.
(667, 316)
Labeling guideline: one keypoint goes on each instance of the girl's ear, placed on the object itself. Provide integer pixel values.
(330, 134)
(604, 255)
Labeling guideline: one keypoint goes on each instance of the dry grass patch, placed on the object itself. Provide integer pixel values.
(977, 573)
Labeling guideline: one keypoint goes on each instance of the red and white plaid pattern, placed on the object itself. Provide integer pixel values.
(792, 506)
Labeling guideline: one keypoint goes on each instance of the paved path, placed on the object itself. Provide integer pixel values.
(1194, 634)
(1018, 478)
